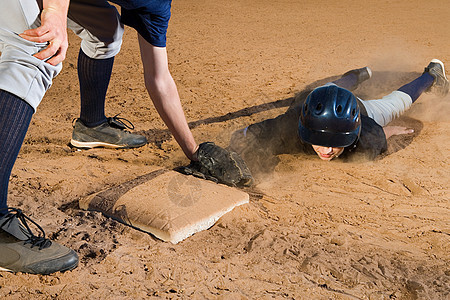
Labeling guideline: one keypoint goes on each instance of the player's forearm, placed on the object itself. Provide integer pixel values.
(167, 103)
(164, 94)
(170, 110)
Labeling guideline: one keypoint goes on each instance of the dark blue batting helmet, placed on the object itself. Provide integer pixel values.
(330, 117)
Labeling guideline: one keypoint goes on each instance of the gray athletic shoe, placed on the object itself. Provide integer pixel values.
(111, 134)
(362, 75)
(22, 251)
(440, 85)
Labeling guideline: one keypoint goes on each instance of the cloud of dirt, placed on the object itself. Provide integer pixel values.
(258, 159)
(393, 55)
(431, 108)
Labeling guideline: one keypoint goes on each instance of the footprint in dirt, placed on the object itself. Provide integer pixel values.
(92, 235)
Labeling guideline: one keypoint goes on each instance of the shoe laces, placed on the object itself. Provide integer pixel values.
(120, 122)
(35, 241)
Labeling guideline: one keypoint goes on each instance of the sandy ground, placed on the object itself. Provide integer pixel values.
(312, 230)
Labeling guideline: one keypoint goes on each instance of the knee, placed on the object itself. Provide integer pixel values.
(104, 43)
(101, 50)
(26, 76)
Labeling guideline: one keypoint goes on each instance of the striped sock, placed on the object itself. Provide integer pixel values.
(416, 87)
(15, 117)
(94, 76)
(349, 81)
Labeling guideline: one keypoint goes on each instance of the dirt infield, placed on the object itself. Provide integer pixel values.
(312, 230)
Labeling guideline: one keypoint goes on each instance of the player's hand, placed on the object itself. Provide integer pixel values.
(220, 165)
(396, 130)
(52, 31)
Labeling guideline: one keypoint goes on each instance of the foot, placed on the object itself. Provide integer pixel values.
(440, 85)
(22, 251)
(362, 74)
(111, 134)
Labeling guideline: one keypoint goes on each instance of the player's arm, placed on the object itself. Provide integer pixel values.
(273, 136)
(396, 130)
(53, 30)
(164, 94)
(372, 140)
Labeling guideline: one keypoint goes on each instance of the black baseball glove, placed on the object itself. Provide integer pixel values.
(219, 165)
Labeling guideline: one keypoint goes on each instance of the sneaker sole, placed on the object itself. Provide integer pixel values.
(369, 71)
(446, 83)
(90, 145)
(62, 270)
(437, 61)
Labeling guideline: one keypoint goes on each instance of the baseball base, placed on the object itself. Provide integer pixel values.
(167, 204)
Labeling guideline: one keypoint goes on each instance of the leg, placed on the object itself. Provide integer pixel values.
(97, 23)
(15, 117)
(24, 80)
(384, 110)
(416, 87)
(351, 79)
(94, 76)
(433, 78)
(20, 73)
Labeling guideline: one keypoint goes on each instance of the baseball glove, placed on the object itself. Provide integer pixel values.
(219, 165)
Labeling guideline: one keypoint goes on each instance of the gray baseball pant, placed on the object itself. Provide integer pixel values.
(96, 22)
(386, 109)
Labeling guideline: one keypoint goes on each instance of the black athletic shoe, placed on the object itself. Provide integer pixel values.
(111, 134)
(22, 251)
(440, 85)
(362, 74)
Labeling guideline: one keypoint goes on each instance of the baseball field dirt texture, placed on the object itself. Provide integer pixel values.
(312, 229)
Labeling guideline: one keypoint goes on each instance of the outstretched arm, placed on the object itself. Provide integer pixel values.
(53, 30)
(396, 130)
(164, 94)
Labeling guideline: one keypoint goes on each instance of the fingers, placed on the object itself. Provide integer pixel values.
(403, 130)
(53, 32)
(37, 35)
(57, 53)
(52, 48)
(56, 49)
(398, 130)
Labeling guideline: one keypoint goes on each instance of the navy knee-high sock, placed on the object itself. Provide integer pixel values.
(94, 76)
(416, 87)
(15, 117)
(348, 82)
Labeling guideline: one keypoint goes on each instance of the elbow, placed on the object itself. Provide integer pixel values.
(159, 84)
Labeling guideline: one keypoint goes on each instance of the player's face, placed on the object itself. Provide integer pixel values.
(327, 153)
